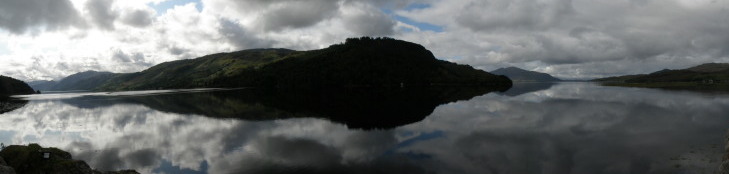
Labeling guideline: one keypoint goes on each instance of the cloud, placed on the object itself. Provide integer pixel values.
(21, 16)
(294, 14)
(288, 16)
(298, 152)
(102, 15)
(138, 17)
(555, 34)
(122, 57)
(235, 34)
(365, 20)
(570, 39)
(277, 15)
(485, 16)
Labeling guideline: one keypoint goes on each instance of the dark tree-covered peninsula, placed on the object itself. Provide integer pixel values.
(358, 62)
(10, 86)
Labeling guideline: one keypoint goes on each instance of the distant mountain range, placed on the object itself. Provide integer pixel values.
(705, 76)
(42, 85)
(359, 62)
(86, 80)
(521, 75)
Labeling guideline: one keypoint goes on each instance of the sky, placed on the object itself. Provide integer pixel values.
(570, 39)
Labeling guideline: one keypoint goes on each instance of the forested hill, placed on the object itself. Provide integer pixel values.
(358, 62)
(216, 70)
(714, 72)
(10, 86)
(709, 76)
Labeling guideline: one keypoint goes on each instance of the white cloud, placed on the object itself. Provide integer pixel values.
(571, 39)
(36, 16)
(573, 36)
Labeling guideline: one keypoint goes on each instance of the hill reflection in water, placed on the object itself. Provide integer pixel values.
(10, 104)
(357, 108)
(568, 128)
(527, 87)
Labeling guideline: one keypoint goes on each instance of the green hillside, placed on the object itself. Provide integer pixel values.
(710, 76)
(359, 62)
(87, 80)
(195, 73)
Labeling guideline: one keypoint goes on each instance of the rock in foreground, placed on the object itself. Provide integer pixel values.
(36, 159)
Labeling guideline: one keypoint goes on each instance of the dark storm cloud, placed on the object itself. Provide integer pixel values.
(135, 58)
(236, 35)
(288, 14)
(138, 18)
(124, 57)
(297, 14)
(510, 15)
(121, 56)
(174, 50)
(371, 23)
(18, 16)
(142, 158)
(101, 13)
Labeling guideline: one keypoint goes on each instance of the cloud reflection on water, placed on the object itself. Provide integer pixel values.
(568, 128)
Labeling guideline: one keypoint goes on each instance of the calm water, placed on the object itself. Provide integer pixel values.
(533, 128)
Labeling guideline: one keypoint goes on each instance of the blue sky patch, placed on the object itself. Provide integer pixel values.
(6, 137)
(3, 47)
(424, 26)
(162, 7)
(421, 137)
(417, 6)
(420, 25)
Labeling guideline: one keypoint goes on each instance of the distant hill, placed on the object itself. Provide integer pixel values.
(42, 85)
(710, 67)
(521, 75)
(87, 80)
(10, 86)
(705, 76)
(618, 78)
(359, 62)
(206, 71)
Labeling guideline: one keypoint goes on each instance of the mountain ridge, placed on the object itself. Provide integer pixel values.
(358, 62)
(708, 76)
(86, 80)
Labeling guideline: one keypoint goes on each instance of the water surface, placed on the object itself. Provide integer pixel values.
(541, 128)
